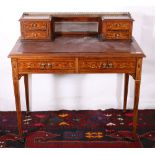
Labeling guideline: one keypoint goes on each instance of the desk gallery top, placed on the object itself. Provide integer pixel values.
(77, 33)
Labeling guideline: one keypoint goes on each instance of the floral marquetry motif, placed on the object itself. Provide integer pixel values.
(92, 65)
(15, 69)
(139, 68)
(124, 65)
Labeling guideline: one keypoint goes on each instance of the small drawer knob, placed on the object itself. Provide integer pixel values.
(35, 35)
(117, 35)
(34, 25)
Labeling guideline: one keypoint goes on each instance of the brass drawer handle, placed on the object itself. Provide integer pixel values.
(107, 65)
(110, 65)
(117, 25)
(42, 65)
(104, 65)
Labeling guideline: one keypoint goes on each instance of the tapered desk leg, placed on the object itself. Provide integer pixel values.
(135, 109)
(18, 105)
(136, 95)
(26, 82)
(16, 78)
(126, 83)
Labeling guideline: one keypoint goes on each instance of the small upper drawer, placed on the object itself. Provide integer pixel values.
(118, 25)
(118, 65)
(35, 35)
(117, 35)
(35, 25)
(51, 65)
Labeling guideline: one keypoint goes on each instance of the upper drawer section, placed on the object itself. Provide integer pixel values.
(118, 25)
(117, 29)
(36, 28)
(35, 25)
(117, 34)
(47, 65)
(35, 35)
(76, 24)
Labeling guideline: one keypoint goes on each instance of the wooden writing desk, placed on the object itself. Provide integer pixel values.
(78, 55)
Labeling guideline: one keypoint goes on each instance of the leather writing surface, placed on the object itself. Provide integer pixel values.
(77, 45)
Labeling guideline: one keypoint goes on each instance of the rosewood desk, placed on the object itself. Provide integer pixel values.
(42, 48)
(78, 55)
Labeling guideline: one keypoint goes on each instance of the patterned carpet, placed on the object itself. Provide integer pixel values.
(86, 128)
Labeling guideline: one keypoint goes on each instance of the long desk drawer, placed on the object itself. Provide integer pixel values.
(46, 66)
(107, 65)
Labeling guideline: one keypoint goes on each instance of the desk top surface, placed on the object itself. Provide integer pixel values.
(76, 46)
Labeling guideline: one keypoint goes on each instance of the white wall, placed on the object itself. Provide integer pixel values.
(89, 91)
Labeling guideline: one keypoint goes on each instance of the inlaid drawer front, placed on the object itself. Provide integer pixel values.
(118, 25)
(35, 25)
(36, 35)
(107, 65)
(46, 65)
(117, 35)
